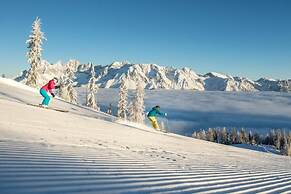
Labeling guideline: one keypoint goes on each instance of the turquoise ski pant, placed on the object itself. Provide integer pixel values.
(46, 99)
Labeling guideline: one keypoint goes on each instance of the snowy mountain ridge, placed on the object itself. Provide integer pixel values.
(154, 76)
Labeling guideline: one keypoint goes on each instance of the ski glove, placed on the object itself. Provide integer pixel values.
(166, 114)
(53, 95)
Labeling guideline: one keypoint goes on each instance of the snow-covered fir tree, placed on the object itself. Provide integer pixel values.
(243, 137)
(109, 110)
(63, 88)
(122, 103)
(278, 137)
(67, 91)
(284, 145)
(224, 136)
(34, 42)
(201, 135)
(92, 90)
(72, 93)
(234, 136)
(131, 113)
(136, 110)
(210, 135)
(257, 139)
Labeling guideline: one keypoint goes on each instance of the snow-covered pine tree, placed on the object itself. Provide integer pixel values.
(210, 135)
(34, 42)
(131, 111)
(243, 136)
(234, 136)
(201, 135)
(224, 136)
(284, 144)
(194, 134)
(122, 103)
(72, 93)
(272, 137)
(278, 137)
(136, 110)
(289, 149)
(109, 110)
(92, 90)
(289, 137)
(63, 90)
(67, 91)
(251, 138)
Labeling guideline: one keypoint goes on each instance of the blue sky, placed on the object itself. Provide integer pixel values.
(249, 38)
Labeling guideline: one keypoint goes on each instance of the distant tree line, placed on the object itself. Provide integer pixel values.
(277, 138)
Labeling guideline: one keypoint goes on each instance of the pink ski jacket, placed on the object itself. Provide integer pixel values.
(49, 86)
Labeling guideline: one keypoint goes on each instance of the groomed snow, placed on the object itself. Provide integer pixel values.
(83, 151)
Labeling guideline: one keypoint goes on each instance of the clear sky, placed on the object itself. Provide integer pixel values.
(250, 38)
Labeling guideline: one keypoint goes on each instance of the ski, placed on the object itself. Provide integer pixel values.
(49, 108)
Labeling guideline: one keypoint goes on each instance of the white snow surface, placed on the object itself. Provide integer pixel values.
(84, 151)
(261, 148)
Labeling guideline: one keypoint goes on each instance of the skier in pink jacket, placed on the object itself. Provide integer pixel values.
(49, 87)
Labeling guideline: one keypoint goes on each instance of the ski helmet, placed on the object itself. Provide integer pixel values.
(56, 79)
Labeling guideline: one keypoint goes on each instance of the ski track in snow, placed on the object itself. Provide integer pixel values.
(36, 168)
(84, 151)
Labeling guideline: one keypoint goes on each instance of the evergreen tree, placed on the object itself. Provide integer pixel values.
(34, 42)
(243, 136)
(131, 111)
(257, 139)
(201, 135)
(210, 135)
(194, 134)
(284, 145)
(272, 137)
(109, 110)
(72, 93)
(92, 90)
(63, 90)
(122, 103)
(234, 136)
(67, 91)
(278, 136)
(224, 136)
(136, 110)
(251, 138)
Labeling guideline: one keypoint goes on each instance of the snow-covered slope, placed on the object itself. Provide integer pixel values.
(83, 151)
(154, 76)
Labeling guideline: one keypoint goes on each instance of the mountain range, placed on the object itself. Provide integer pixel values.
(159, 77)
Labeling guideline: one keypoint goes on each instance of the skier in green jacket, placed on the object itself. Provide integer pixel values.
(153, 114)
